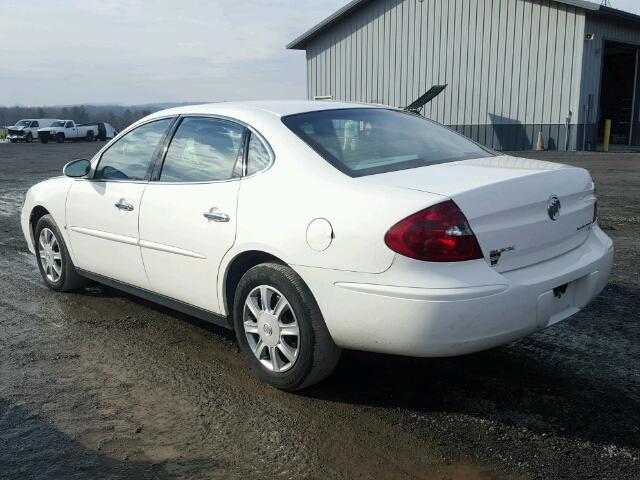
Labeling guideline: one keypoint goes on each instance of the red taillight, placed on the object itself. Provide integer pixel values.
(439, 233)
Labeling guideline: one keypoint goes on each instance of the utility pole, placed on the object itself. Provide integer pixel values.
(606, 3)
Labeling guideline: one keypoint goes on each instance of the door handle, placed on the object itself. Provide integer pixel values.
(123, 205)
(216, 216)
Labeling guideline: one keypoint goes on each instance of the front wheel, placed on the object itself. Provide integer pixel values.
(29, 138)
(54, 262)
(280, 328)
(60, 138)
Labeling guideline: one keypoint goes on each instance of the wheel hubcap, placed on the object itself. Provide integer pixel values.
(50, 256)
(271, 328)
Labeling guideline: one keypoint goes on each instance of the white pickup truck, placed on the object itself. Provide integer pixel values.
(67, 130)
(27, 130)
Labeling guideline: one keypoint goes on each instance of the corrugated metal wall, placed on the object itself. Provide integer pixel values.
(605, 29)
(513, 66)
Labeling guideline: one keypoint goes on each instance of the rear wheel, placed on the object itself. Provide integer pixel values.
(89, 137)
(60, 138)
(54, 262)
(29, 138)
(280, 328)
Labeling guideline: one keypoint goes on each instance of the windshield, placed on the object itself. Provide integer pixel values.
(366, 141)
(23, 123)
(57, 124)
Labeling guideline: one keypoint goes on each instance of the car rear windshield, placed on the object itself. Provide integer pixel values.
(367, 141)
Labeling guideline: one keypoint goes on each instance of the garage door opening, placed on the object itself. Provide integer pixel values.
(617, 94)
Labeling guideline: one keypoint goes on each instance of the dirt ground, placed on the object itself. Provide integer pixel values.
(99, 384)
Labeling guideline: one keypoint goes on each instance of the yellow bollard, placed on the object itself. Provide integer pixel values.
(607, 135)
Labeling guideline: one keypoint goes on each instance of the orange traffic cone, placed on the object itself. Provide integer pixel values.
(540, 144)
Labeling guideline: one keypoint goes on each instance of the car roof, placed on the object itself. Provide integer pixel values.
(278, 108)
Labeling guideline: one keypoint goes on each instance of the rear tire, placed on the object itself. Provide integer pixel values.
(89, 137)
(294, 349)
(29, 138)
(60, 138)
(54, 262)
(13, 140)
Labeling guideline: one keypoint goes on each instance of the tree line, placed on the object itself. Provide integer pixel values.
(118, 116)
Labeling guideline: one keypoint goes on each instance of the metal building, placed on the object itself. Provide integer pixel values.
(513, 68)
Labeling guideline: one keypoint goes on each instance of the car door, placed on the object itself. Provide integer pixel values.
(70, 130)
(188, 212)
(102, 212)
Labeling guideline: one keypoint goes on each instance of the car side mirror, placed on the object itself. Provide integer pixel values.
(77, 168)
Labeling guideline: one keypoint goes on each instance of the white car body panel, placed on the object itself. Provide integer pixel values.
(182, 249)
(105, 239)
(52, 195)
(330, 229)
(505, 200)
(426, 309)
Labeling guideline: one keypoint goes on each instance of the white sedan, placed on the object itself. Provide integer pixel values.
(308, 227)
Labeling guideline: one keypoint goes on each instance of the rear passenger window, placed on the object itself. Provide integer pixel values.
(130, 157)
(202, 150)
(34, 124)
(258, 157)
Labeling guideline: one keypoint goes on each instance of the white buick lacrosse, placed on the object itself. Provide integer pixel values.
(308, 227)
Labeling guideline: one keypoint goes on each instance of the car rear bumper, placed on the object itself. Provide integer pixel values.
(426, 309)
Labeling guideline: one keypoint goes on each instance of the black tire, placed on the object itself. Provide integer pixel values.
(29, 138)
(44, 140)
(13, 140)
(317, 354)
(89, 137)
(68, 279)
(60, 138)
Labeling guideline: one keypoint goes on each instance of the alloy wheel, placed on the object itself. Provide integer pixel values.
(50, 255)
(271, 328)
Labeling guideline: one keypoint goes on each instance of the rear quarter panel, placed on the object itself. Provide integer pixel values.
(276, 207)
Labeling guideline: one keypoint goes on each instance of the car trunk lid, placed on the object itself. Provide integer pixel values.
(507, 202)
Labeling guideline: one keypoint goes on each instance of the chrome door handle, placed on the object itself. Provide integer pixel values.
(216, 216)
(123, 205)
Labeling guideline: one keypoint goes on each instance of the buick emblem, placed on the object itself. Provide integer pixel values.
(267, 329)
(553, 207)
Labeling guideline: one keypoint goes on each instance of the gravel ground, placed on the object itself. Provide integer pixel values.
(99, 384)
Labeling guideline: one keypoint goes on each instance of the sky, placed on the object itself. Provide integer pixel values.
(134, 52)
